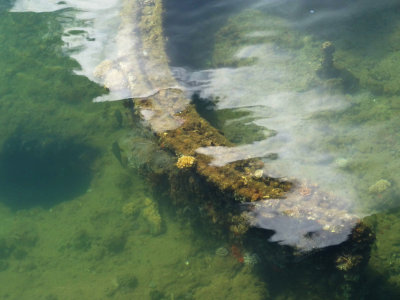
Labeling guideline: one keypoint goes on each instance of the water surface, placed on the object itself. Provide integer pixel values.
(80, 221)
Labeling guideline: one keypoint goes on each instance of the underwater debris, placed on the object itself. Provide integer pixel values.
(334, 76)
(178, 125)
(181, 130)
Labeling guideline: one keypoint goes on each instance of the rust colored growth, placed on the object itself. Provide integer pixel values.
(362, 234)
(195, 132)
(231, 178)
(237, 253)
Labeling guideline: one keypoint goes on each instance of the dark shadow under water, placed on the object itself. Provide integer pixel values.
(43, 171)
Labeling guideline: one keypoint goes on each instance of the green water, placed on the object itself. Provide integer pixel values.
(79, 221)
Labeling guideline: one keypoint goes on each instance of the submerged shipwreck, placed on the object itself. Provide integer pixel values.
(215, 185)
(237, 195)
(261, 145)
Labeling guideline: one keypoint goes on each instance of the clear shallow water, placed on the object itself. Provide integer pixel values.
(86, 236)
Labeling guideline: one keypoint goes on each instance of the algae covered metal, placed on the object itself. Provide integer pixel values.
(166, 108)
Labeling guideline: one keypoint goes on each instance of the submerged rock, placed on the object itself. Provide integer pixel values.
(379, 186)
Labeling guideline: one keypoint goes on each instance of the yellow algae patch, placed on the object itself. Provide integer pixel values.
(185, 161)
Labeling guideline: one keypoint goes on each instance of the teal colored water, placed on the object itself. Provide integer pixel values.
(311, 88)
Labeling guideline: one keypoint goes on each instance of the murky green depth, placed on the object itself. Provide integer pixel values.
(79, 222)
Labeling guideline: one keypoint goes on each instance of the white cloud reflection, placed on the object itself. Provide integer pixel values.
(276, 91)
(102, 36)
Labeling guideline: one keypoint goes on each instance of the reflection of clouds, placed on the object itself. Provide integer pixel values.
(275, 89)
(268, 89)
(89, 30)
(223, 155)
(103, 37)
(38, 5)
(306, 222)
(307, 218)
